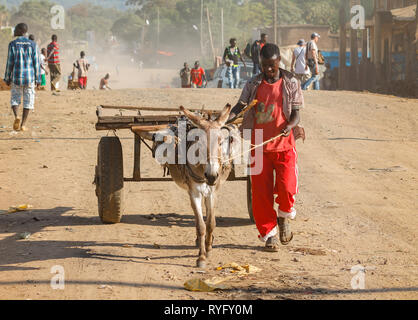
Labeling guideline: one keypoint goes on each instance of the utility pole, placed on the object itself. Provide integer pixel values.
(210, 35)
(275, 20)
(222, 29)
(158, 28)
(343, 47)
(354, 53)
(201, 27)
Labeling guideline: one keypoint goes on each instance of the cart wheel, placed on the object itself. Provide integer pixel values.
(109, 179)
(250, 200)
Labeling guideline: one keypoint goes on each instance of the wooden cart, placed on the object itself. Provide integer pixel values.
(109, 175)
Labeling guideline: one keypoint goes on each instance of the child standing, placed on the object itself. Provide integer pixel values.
(83, 67)
(279, 98)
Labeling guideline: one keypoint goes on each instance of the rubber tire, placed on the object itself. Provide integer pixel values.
(250, 200)
(109, 180)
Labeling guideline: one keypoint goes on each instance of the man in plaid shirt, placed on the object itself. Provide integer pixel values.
(22, 73)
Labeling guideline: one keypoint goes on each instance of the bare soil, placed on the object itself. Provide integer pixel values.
(358, 205)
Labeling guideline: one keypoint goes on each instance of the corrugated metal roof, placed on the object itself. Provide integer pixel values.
(404, 14)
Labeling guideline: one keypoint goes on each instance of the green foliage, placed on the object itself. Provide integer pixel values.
(87, 17)
(36, 14)
(5, 38)
(128, 27)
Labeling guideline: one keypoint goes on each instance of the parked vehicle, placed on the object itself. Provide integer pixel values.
(220, 77)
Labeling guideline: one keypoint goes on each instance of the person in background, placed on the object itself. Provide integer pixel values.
(231, 56)
(44, 71)
(198, 76)
(255, 53)
(22, 73)
(83, 67)
(185, 76)
(299, 62)
(312, 62)
(54, 63)
(104, 83)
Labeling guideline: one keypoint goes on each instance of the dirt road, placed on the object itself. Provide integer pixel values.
(358, 205)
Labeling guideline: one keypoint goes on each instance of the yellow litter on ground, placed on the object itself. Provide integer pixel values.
(22, 207)
(207, 285)
(240, 269)
(216, 283)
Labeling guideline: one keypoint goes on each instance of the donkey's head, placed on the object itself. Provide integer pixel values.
(216, 143)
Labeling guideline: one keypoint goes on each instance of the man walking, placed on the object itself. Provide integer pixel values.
(299, 62)
(255, 53)
(185, 76)
(54, 63)
(312, 62)
(231, 56)
(83, 67)
(198, 76)
(22, 73)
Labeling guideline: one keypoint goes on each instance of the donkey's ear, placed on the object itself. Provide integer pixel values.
(224, 116)
(197, 120)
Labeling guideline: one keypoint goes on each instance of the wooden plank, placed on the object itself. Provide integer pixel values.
(118, 119)
(138, 129)
(157, 109)
(137, 158)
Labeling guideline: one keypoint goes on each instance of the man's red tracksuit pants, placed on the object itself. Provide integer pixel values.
(284, 186)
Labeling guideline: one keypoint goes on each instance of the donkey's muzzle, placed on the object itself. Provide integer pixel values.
(211, 178)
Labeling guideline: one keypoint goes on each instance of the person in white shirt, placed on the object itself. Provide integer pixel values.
(312, 62)
(44, 72)
(299, 68)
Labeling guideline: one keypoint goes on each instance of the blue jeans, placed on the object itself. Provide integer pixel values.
(256, 69)
(314, 79)
(233, 76)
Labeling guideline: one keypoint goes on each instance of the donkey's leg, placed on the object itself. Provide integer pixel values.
(196, 202)
(210, 221)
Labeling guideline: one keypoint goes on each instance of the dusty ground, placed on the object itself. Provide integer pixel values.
(350, 214)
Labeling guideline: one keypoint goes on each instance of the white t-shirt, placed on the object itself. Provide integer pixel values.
(300, 65)
(42, 62)
(312, 46)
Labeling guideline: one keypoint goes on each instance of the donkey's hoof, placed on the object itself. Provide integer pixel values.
(201, 264)
(208, 252)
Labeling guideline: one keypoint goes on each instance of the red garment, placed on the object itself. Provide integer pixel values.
(54, 58)
(264, 189)
(270, 116)
(262, 45)
(82, 81)
(197, 76)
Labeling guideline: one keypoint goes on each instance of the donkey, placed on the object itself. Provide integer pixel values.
(202, 180)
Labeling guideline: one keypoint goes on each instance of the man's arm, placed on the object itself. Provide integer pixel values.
(293, 122)
(292, 66)
(225, 54)
(315, 56)
(9, 66)
(36, 65)
(242, 102)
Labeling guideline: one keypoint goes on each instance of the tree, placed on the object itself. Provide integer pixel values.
(128, 28)
(36, 14)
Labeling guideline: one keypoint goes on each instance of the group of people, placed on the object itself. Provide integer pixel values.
(306, 60)
(193, 78)
(27, 68)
